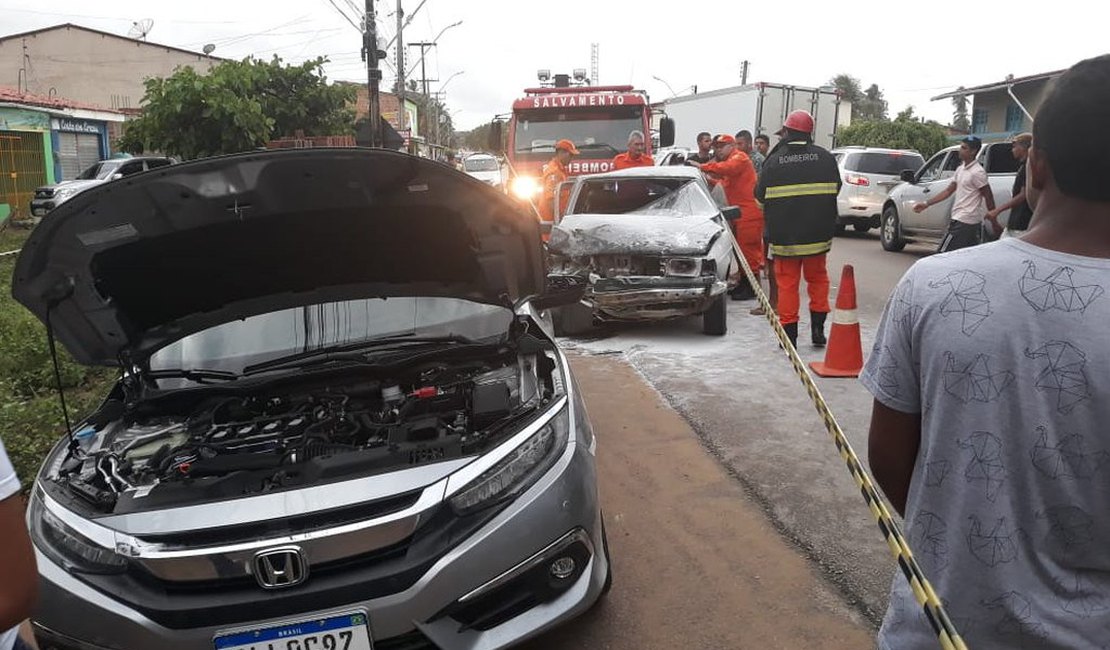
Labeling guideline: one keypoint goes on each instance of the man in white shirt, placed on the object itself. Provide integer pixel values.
(18, 574)
(974, 199)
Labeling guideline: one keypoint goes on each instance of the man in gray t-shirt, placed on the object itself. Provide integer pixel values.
(989, 429)
(18, 575)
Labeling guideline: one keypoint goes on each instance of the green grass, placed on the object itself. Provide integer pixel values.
(30, 416)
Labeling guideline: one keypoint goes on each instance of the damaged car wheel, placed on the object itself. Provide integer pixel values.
(572, 320)
(714, 322)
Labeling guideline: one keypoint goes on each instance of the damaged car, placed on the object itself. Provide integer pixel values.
(651, 244)
(340, 420)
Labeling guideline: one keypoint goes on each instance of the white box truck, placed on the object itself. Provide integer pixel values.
(760, 108)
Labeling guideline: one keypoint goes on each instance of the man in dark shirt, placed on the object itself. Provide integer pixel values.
(703, 154)
(1020, 212)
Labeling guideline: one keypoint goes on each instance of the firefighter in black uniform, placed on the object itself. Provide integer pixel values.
(798, 189)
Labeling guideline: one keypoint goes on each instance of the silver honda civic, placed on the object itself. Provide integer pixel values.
(341, 423)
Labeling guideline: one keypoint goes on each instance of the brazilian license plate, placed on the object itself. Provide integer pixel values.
(346, 632)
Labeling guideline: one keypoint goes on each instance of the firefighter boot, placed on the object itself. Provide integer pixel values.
(817, 327)
(792, 333)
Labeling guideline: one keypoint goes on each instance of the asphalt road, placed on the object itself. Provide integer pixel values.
(696, 564)
(741, 397)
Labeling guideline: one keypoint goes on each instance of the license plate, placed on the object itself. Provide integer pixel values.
(347, 632)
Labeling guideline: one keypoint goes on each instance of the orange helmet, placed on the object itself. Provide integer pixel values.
(800, 121)
(567, 145)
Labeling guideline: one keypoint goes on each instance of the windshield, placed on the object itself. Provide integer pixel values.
(597, 134)
(670, 197)
(891, 164)
(481, 165)
(238, 344)
(99, 171)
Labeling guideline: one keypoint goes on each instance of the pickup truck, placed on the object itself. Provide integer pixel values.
(900, 224)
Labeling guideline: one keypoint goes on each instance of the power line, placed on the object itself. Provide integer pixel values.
(345, 16)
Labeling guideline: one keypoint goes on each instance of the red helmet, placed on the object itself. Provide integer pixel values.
(799, 121)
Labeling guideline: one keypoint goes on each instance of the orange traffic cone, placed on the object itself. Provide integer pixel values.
(844, 356)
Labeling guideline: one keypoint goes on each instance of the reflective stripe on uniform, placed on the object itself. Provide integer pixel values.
(801, 250)
(801, 189)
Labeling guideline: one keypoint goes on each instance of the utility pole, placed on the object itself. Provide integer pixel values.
(744, 73)
(401, 113)
(373, 74)
(423, 45)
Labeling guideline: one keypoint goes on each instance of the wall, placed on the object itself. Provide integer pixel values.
(91, 67)
(996, 102)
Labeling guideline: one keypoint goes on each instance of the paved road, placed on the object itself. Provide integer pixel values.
(695, 562)
(743, 400)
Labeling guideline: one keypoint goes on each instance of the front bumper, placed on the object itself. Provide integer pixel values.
(430, 613)
(653, 297)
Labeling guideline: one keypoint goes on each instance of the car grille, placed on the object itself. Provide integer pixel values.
(414, 640)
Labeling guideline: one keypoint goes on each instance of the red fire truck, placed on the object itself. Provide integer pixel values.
(597, 119)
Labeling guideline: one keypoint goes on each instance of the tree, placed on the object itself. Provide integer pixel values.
(906, 115)
(866, 104)
(238, 106)
(926, 138)
(873, 106)
(959, 118)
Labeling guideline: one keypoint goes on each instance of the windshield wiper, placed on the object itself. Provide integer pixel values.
(355, 352)
(599, 145)
(199, 375)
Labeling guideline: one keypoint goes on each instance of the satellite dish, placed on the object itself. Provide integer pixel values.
(208, 49)
(140, 28)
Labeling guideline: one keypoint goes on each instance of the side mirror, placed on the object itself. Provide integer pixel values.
(908, 175)
(666, 132)
(115, 177)
(562, 290)
(731, 213)
(494, 136)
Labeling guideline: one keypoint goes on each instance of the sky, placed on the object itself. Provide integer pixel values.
(913, 51)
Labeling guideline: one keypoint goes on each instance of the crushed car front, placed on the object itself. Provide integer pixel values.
(336, 412)
(652, 242)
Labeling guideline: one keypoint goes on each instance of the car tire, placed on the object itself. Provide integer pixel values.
(861, 227)
(840, 227)
(891, 232)
(714, 321)
(572, 320)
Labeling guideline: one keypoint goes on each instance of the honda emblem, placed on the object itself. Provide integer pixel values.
(277, 568)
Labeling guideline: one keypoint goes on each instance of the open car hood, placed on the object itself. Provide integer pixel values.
(614, 234)
(134, 265)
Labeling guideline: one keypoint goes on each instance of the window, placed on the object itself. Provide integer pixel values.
(670, 197)
(979, 120)
(890, 164)
(1015, 118)
(931, 171)
(155, 163)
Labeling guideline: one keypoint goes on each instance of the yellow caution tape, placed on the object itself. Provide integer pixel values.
(922, 590)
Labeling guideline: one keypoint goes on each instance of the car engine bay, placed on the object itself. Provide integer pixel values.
(224, 442)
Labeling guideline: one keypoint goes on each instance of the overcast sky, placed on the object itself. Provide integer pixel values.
(912, 50)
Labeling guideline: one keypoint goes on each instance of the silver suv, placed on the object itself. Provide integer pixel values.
(869, 173)
(341, 421)
(49, 197)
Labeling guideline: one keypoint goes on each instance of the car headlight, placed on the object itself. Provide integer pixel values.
(686, 267)
(64, 194)
(520, 469)
(70, 549)
(525, 187)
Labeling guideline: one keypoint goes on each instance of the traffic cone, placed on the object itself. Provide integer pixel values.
(844, 356)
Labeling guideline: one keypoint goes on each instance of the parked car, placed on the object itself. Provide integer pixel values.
(901, 224)
(484, 167)
(653, 245)
(869, 173)
(49, 197)
(342, 420)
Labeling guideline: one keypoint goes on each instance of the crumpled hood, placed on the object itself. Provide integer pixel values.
(130, 266)
(608, 234)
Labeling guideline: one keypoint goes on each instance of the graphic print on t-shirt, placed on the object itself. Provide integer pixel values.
(974, 381)
(1065, 373)
(985, 465)
(968, 298)
(1067, 458)
(1057, 290)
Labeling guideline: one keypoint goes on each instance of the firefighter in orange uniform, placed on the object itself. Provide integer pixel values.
(635, 156)
(555, 172)
(736, 174)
